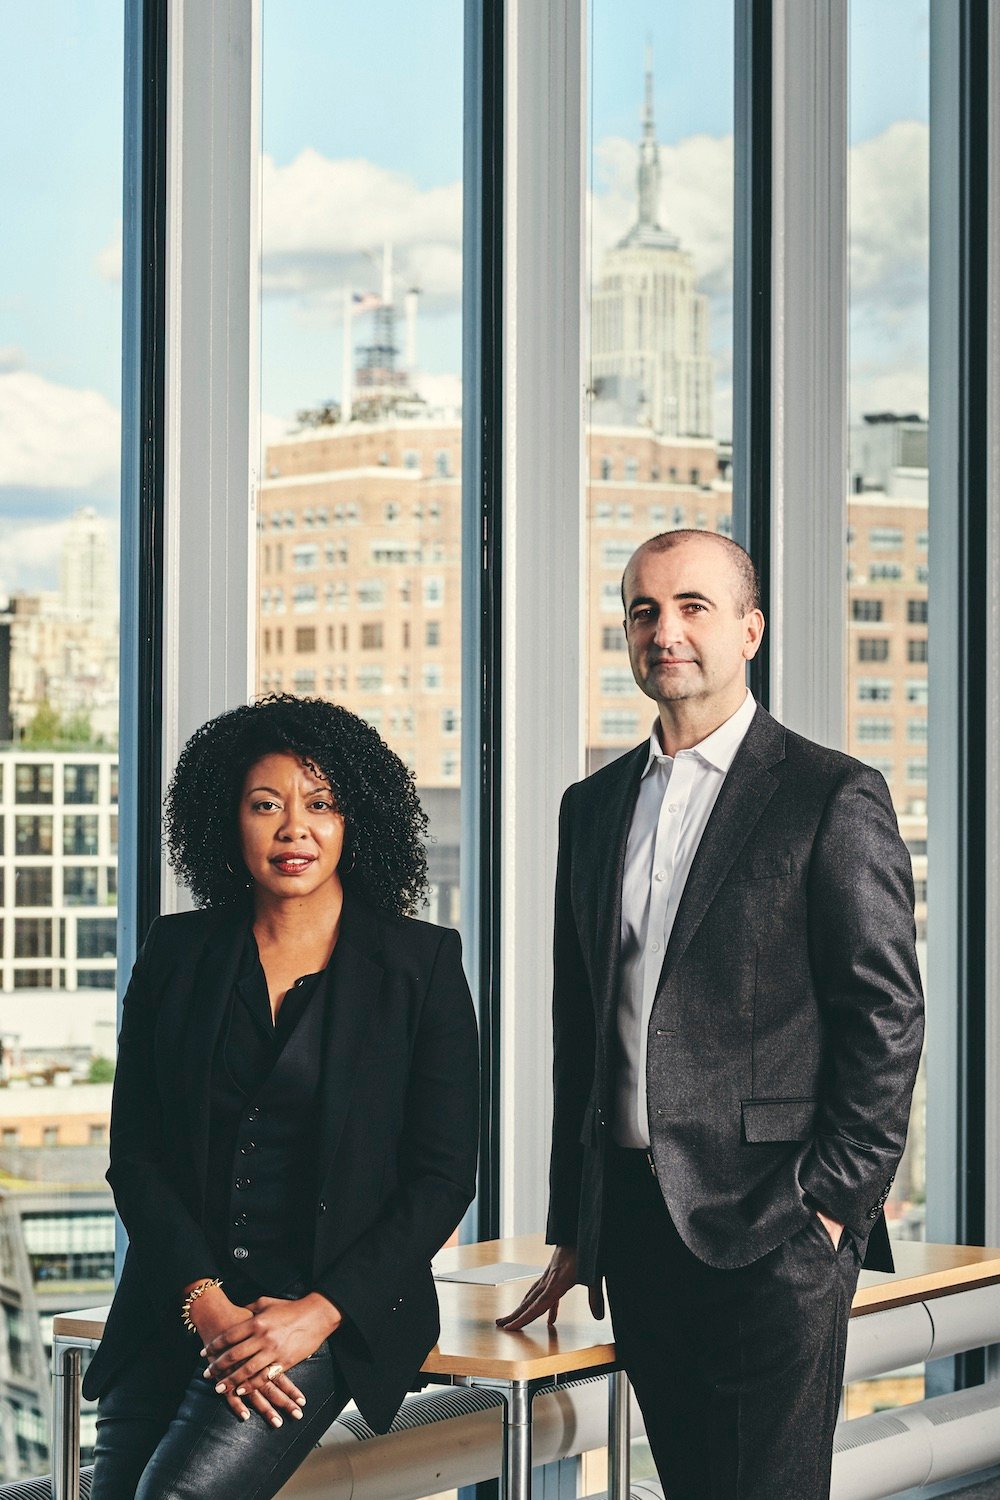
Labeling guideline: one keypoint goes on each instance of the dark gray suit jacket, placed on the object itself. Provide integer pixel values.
(788, 1021)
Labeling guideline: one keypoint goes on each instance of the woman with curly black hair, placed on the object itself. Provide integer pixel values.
(294, 1123)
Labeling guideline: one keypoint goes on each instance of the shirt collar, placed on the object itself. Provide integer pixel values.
(717, 749)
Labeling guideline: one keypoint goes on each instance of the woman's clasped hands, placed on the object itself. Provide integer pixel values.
(249, 1349)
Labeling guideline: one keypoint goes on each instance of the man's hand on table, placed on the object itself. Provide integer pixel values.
(544, 1294)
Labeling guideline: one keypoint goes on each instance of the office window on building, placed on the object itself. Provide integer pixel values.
(874, 689)
(95, 979)
(449, 766)
(867, 610)
(36, 979)
(391, 511)
(307, 518)
(371, 680)
(631, 470)
(432, 633)
(613, 638)
(305, 638)
(724, 525)
(442, 463)
(616, 555)
(922, 574)
(433, 677)
(451, 720)
(920, 889)
(616, 726)
(278, 601)
(11, 1135)
(114, 784)
(611, 599)
(322, 517)
(916, 770)
(878, 763)
(923, 539)
(678, 517)
(916, 611)
(604, 513)
(305, 557)
(81, 783)
(625, 515)
(303, 681)
(50, 1135)
(916, 731)
(411, 458)
(617, 681)
(306, 598)
(607, 469)
(658, 516)
(33, 783)
(32, 885)
(80, 833)
(33, 937)
(372, 637)
(32, 833)
(885, 572)
(885, 538)
(916, 690)
(95, 937)
(80, 885)
(371, 593)
(112, 833)
(873, 648)
(916, 651)
(872, 731)
(434, 590)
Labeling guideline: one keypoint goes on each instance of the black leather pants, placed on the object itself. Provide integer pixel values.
(149, 1447)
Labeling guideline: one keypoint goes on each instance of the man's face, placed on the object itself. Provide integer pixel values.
(686, 638)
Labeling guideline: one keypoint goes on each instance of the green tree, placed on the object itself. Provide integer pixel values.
(102, 1070)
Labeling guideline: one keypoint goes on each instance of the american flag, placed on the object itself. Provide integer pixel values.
(366, 302)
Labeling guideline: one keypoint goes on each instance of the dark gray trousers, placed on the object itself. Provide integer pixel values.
(737, 1373)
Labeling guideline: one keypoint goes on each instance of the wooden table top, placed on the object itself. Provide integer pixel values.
(471, 1343)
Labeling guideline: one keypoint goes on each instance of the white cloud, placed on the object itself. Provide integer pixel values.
(889, 207)
(29, 555)
(326, 222)
(56, 436)
(12, 357)
(108, 261)
(442, 392)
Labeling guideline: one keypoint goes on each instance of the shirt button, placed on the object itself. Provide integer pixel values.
(253, 1113)
(322, 1206)
(672, 806)
(247, 1147)
(655, 947)
(241, 1252)
(243, 1182)
(660, 875)
(239, 1221)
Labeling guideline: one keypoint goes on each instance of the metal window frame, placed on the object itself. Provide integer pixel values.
(211, 406)
(963, 1129)
(542, 587)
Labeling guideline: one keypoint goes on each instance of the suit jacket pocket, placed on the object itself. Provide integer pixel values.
(766, 864)
(778, 1119)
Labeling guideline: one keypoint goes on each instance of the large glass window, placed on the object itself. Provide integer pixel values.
(359, 523)
(888, 690)
(60, 381)
(660, 239)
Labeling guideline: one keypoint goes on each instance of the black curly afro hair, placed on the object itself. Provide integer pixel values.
(385, 830)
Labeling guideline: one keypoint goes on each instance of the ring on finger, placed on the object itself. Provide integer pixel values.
(273, 1371)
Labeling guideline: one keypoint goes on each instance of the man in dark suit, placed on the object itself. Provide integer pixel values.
(738, 1021)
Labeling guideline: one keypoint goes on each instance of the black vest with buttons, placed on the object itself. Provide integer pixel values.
(262, 1167)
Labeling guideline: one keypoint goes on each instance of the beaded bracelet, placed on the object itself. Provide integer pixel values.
(192, 1298)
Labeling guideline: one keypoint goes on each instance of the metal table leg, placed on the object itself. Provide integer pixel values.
(619, 1435)
(515, 1482)
(66, 1368)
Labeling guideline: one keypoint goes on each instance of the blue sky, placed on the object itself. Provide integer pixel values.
(379, 86)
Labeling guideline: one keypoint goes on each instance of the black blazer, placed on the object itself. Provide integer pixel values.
(788, 1020)
(396, 1148)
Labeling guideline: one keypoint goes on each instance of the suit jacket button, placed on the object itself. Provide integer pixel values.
(322, 1207)
(241, 1252)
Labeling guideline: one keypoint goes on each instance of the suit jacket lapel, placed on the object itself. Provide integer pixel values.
(746, 791)
(352, 993)
(212, 985)
(609, 841)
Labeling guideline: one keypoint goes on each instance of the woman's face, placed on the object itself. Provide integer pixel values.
(291, 832)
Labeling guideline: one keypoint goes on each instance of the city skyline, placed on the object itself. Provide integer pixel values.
(60, 315)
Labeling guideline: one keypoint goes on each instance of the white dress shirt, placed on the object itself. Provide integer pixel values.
(675, 801)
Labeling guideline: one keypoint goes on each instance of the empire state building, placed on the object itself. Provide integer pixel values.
(649, 332)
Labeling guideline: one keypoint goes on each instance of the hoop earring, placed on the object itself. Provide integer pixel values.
(354, 860)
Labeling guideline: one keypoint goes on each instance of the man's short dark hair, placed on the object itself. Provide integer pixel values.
(747, 592)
